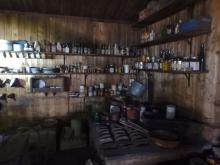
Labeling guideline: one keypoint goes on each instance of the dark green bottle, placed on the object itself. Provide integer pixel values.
(202, 58)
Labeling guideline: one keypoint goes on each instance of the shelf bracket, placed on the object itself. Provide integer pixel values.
(188, 77)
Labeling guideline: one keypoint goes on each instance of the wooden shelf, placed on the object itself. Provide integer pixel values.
(62, 74)
(175, 72)
(186, 73)
(122, 74)
(2, 51)
(69, 54)
(89, 55)
(172, 38)
(90, 97)
(38, 74)
(34, 90)
(173, 8)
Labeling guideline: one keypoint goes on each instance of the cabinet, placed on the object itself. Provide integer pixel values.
(173, 8)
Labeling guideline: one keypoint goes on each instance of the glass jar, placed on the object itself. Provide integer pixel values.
(185, 64)
(111, 68)
(174, 64)
(179, 64)
(194, 64)
(90, 91)
(165, 65)
(156, 65)
(141, 65)
(169, 64)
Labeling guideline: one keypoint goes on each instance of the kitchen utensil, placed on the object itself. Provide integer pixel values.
(2, 69)
(35, 70)
(3, 97)
(132, 114)
(12, 96)
(37, 46)
(39, 84)
(47, 70)
(15, 83)
(165, 139)
(134, 126)
(170, 111)
(137, 89)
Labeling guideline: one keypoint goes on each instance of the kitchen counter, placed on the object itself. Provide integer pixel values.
(149, 154)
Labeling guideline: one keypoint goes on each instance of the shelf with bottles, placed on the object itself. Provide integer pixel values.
(76, 48)
(91, 55)
(172, 38)
(49, 55)
(101, 90)
(168, 62)
(36, 74)
(25, 49)
(154, 16)
(68, 70)
(175, 71)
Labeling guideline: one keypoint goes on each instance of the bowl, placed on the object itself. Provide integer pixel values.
(165, 139)
(35, 70)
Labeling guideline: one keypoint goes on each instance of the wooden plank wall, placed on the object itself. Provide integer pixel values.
(200, 101)
(33, 27)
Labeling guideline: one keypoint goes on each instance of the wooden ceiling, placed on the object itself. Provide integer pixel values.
(119, 10)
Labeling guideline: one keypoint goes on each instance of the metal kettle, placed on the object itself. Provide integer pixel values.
(137, 89)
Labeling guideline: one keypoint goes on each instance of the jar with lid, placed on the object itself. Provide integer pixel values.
(136, 65)
(160, 64)
(141, 65)
(185, 64)
(169, 64)
(53, 48)
(174, 64)
(111, 68)
(113, 90)
(156, 65)
(82, 90)
(165, 65)
(194, 64)
(179, 64)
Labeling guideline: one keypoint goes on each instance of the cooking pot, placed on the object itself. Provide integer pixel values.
(137, 89)
(132, 113)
